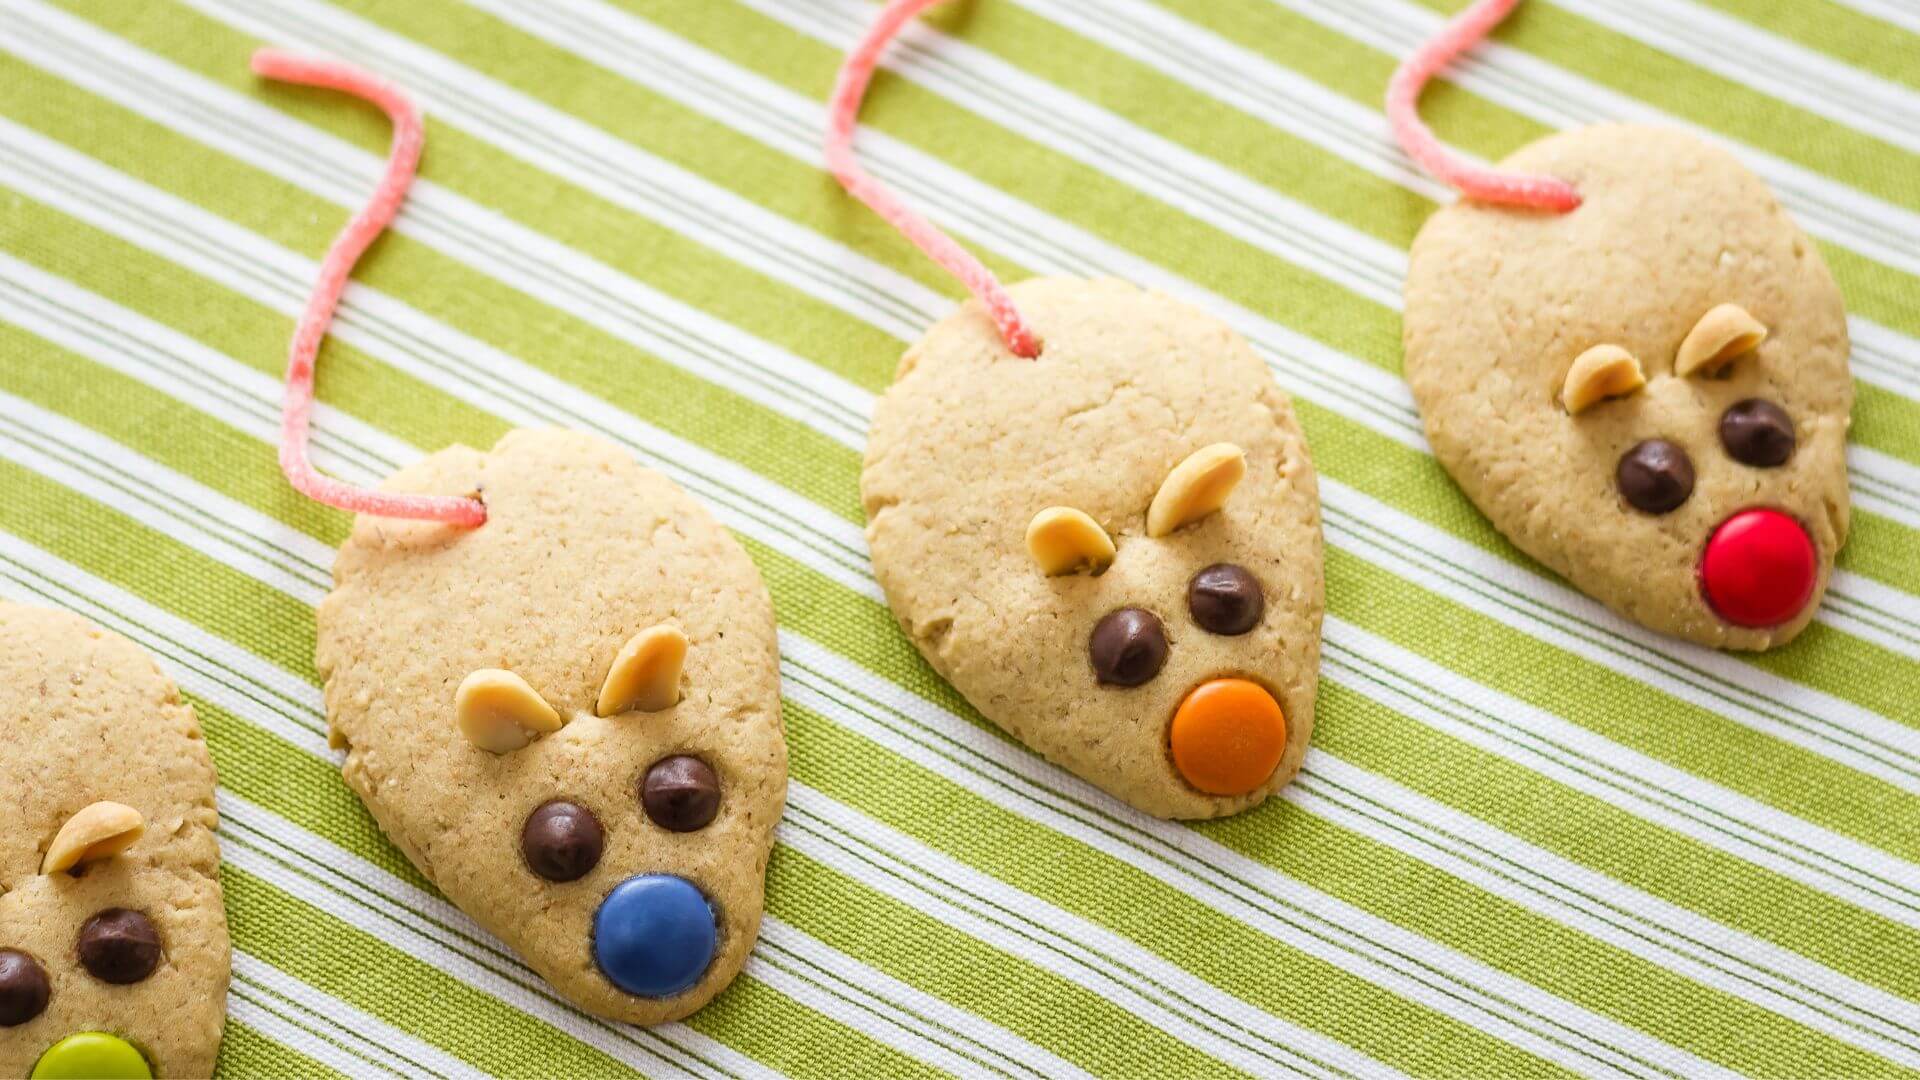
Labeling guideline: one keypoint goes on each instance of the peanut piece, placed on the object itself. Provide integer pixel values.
(1196, 487)
(1721, 334)
(99, 831)
(1063, 540)
(498, 712)
(646, 673)
(1602, 372)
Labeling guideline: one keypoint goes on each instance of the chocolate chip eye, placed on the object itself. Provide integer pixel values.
(1225, 599)
(1655, 476)
(1757, 432)
(119, 946)
(681, 793)
(1129, 647)
(24, 989)
(562, 841)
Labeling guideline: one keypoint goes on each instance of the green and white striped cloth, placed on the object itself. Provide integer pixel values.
(1531, 839)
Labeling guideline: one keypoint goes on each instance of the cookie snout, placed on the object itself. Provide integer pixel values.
(1228, 736)
(654, 935)
(1758, 568)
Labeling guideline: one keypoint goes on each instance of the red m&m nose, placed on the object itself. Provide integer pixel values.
(1758, 568)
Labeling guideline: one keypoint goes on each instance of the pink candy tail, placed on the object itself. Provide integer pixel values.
(842, 117)
(1403, 109)
(296, 416)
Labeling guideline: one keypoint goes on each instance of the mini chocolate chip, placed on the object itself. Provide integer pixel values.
(681, 793)
(1757, 432)
(23, 988)
(119, 946)
(1129, 647)
(562, 841)
(1225, 599)
(1655, 476)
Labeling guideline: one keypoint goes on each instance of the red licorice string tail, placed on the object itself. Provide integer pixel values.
(844, 114)
(1403, 109)
(296, 414)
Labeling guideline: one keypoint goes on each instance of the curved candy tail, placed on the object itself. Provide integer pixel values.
(1403, 110)
(297, 410)
(842, 117)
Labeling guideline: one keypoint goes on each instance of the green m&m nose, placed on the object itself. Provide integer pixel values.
(92, 1055)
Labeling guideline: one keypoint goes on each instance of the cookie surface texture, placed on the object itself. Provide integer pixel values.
(589, 566)
(1704, 495)
(127, 948)
(1135, 401)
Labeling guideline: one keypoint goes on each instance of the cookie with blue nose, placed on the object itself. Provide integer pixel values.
(569, 717)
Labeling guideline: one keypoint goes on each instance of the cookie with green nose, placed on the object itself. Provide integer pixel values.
(113, 939)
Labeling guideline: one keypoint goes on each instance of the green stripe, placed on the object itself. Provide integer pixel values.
(1637, 852)
(968, 973)
(1628, 712)
(1669, 82)
(245, 1052)
(1842, 32)
(1712, 1024)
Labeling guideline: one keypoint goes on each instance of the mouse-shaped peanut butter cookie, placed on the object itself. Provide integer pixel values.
(1092, 510)
(113, 938)
(1635, 364)
(1112, 549)
(569, 717)
(1649, 393)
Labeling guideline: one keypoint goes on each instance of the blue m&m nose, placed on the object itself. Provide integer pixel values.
(654, 935)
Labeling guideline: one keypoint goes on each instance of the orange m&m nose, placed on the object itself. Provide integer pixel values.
(1228, 736)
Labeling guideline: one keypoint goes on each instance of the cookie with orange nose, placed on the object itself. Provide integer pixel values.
(113, 939)
(567, 717)
(1650, 392)
(1111, 549)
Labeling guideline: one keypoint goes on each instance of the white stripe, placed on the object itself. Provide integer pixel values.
(423, 347)
(1532, 87)
(182, 368)
(1629, 919)
(1902, 13)
(988, 1048)
(1339, 501)
(268, 1016)
(1740, 52)
(73, 456)
(794, 677)
(1077, 950)
(557, 276)
(1637, 783)
(364, 1033)
(975, 79)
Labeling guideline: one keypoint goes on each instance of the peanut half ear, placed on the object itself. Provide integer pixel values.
(646, 673)
(1721, 334)
(499, 713)
(1063, 540)
(1196, 487)
(1602, 372)
(99, 831)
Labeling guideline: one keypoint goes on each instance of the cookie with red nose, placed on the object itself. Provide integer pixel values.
(569, 717)
(1650, 393)
(1112, 549)
(113, 939)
